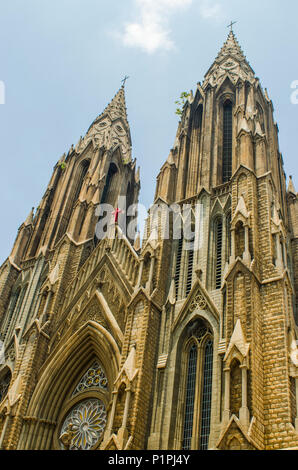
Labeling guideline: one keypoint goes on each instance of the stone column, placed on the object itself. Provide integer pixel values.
(244, 412)
(226, 413)
(126, 407)
(140, 273)
(232, 257)
(123, 433)
(284, 254)
(246, 254)
(151, 272)
(109, 428)
(279, 261)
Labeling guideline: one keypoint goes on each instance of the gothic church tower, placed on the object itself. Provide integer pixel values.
(188, 341)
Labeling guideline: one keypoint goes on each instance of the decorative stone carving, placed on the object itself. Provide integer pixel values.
(231, 61)
(95, 377)
(199, 302)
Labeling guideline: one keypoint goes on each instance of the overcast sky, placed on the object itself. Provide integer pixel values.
(62, 61)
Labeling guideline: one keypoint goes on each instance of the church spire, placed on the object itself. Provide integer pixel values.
(116, 109)
(110, 128)
(231, 62)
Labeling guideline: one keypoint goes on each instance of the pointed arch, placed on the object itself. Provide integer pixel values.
(109, 192)
(197, 371)
(57, 381)
(5, 379)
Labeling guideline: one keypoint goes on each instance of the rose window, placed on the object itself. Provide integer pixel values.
(84, 425)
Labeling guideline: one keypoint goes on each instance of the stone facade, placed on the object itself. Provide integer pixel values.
(178, 342)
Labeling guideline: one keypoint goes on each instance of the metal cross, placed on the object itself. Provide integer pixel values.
(124, 80)
(231, 25)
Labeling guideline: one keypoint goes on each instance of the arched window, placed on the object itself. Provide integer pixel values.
(15, 313)
(74, 192)
(227, 141)
(11, 308)
(82, 171)
(83, 425)
(4, 384)
(260, 115)
(109, 191)
(37, 296)
(198, 387)
(218, 252)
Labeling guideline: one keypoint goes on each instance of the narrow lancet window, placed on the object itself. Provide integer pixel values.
(207, 394)
(227, 141)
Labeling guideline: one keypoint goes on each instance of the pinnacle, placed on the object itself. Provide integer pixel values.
(29, 219)
(291, 187)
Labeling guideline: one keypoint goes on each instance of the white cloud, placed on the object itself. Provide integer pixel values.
(210, 10)
(151, 32)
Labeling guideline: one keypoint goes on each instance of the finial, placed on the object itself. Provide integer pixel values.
(124, 80)
(231, 25)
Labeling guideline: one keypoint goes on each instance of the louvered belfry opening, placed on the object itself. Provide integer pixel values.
(218, 248)
(227, 141)
(178, 265)
(189, 271)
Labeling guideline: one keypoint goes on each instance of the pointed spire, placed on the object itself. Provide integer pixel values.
(116, 108)
(230, 61)
(231, 48)
(291, 187)
(106, 130)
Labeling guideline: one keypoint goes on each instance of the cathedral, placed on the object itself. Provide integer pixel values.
(183, 338)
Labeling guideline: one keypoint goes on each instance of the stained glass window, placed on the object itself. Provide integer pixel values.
(95, 377)
(190, 397)
(206, 398)
(84, 425)
(198, 384)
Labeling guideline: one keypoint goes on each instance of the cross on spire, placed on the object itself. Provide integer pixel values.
(124, 80)
(231, 25)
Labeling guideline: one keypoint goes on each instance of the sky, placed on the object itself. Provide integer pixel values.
(62, 61)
